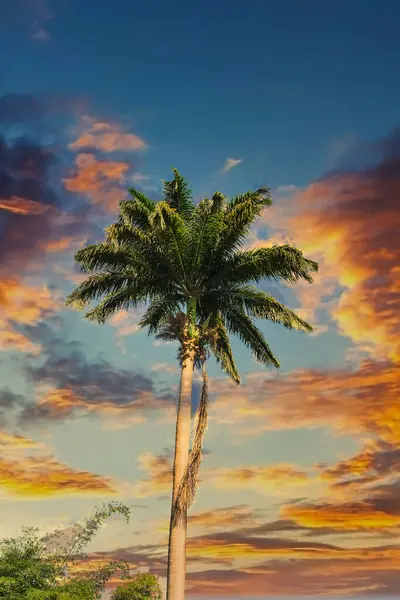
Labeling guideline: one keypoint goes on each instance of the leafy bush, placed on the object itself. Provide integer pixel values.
(144, 586)
(33, 567)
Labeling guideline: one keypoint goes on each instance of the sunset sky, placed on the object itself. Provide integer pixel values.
(300, 483)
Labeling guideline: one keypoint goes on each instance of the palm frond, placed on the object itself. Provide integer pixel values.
(142, 198)
(96, 286)
(134, 213)
(239, 324)
(222, 350)
(103, 257)
(159, 311)
(262, 197)
(277, 262)
(178, 195)
(120, 300)
(146, 246)
(205, 227)
(174, 234)
(258, 304)
(240, 214)
(173, 328)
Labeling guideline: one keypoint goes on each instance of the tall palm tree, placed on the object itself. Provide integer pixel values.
(184, 263)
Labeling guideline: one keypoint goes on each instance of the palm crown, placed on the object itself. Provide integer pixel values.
(183, 262)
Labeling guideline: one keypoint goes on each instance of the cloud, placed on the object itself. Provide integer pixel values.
(9, 402)
(16, 341)
(22, 206)
(43, 15)
(262, 479)
(42, 476)
(230, 163)
(99, 180)
(29, 470)
(350, 219)
(376, 461)
(222, 518)
(168, 368)
(149, 557)
(139, 177)
(33, 218)
(10, 441)
(235, 546)
(159, 474)
(371, 572)
(362, 401)
(20, 108)
(368, 514)
(22, 304)
(67, 384)
(105, 136)
(126, 323)
(25, 304)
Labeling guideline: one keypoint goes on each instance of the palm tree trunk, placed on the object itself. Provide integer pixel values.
(177, 533)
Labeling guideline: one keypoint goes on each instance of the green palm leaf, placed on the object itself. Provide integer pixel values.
(178, 195)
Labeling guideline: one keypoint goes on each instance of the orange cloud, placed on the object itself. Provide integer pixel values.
(370, 570)
(375, 462)
(40, 476)
(14, 340)
(222, 518)
(26, 305)
(368, 309)
(107, 137)
(23, 206)
(260, 478)
(98, 179)
(60, 403)
(344, 516)
(365, 401)
(236, 547)
(349, 221)
(352, 220)
(63, 243)
(9, 441)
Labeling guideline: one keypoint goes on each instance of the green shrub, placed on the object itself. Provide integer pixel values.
(144, 586)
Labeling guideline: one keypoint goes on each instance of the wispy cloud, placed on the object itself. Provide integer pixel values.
(42, 16)
(230, 163)
(106, 136)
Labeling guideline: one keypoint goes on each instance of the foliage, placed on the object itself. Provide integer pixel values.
(184, 263)
(144, 586)
(34, 567)
(176, 258)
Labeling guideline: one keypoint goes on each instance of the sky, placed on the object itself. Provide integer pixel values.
(300, 488)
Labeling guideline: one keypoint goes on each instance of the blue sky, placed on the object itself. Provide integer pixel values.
(300, 96)
(281, 84)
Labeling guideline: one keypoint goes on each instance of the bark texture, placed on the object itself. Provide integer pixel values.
(177, 534)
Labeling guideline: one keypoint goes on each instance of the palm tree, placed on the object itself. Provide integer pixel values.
(184, 263)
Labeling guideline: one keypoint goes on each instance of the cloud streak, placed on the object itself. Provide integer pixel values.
(231, 163)
(107, 137)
